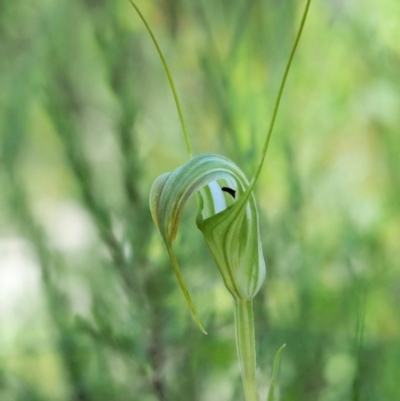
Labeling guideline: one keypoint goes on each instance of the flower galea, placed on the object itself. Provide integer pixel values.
(227, 217)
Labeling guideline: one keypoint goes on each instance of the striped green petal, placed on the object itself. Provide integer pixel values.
(227, 217)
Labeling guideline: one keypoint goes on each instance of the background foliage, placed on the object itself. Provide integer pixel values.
(89, 307)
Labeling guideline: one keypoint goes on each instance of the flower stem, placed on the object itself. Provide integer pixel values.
(245, 345)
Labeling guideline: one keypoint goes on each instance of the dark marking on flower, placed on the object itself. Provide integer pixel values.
(230, 191)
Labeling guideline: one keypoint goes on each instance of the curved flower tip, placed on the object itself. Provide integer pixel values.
(227, 217)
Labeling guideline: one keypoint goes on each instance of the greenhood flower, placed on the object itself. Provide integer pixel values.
(227, 217)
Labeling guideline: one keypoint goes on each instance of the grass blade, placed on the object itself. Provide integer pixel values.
(271, 392)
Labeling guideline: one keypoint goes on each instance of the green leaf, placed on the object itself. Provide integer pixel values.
(227, 217)
(271, 392)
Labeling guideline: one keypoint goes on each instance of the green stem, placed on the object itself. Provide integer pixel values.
(246, 349)
(279, 96)
(169, 76)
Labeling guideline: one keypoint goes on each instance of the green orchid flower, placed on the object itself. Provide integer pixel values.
(228, 219)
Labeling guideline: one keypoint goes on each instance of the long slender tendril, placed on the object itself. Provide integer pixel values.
(169, 76)
(279, 96)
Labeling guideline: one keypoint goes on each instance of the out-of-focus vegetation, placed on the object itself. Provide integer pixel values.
(89, 307)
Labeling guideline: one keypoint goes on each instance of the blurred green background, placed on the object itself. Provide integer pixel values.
(89, 306)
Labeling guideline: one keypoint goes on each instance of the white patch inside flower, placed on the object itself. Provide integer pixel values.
(218, 197)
